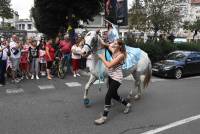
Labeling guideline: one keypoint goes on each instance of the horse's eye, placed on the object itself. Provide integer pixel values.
(88, 34)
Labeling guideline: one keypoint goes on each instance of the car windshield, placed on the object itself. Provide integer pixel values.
(176, 56)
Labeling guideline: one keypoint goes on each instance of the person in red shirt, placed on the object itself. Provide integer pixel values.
(65, 48)
(50, 52)
(24, 60)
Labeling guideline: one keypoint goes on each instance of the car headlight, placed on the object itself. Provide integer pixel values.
(168, 67)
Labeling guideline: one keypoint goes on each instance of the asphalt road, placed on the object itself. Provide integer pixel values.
(56, 107)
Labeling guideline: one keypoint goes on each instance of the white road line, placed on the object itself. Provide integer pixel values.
(73, 84)
(14, 91)
(189, 78)
(44, 87)
(171, 125)
(97, 82)
(157, 80)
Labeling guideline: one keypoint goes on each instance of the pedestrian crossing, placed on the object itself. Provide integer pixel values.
(73, 84)
(45, 87)
(14, 91)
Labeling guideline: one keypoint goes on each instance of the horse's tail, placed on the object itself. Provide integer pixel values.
(147, 76)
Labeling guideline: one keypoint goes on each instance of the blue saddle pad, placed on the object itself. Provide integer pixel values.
(133, 56)
(108, 55)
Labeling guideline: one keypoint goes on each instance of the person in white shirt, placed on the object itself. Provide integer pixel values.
(15, 56)
(3, 61)
(76, 56)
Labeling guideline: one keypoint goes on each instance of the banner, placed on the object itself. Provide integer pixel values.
(116, 11)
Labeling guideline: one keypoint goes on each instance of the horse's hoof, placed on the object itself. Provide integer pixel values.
(86, 102)
(129, 97)
(137, 97)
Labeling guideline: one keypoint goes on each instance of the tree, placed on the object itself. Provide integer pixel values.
(51, 15)
(159, 15)
(5, 10)
(138, 17)
(192, 26)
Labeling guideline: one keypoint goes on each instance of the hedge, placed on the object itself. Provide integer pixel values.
(158, 50)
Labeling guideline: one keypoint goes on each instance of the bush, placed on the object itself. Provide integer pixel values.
(158, 50)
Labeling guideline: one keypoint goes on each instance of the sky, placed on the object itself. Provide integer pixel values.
(23, 7)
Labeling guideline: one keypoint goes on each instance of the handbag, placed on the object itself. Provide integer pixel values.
(15, 51)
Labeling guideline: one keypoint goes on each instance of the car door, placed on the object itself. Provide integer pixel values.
(198, 62)
(191, 64)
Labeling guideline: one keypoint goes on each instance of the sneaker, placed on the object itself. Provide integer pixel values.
(101, 120)
(127, 108)
(27, 77)
(74, 75)
(78, 74)
(43, 73)
(37, 77)
(32, 77)
(16, 80)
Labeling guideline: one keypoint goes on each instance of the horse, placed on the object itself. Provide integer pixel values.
(141, 72)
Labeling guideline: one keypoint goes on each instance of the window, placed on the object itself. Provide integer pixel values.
(195, 56)
(23, 26)
(20, 26)
(29, 26)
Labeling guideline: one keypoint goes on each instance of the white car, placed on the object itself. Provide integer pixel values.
(180, 40)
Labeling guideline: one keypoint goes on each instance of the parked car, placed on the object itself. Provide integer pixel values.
(180, 40)
(178, 64)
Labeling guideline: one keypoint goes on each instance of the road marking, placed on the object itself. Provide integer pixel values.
(45, 87)
(157, 80)
(189, 78)
(73, 84)
(14, 91)
(97, 82)
(171, 125)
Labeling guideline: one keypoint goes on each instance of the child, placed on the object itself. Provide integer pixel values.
(42, 60)
(76, 56)
(24, 60)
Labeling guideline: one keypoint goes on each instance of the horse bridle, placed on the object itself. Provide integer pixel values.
(90, 48)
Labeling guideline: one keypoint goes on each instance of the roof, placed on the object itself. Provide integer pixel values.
(185, 52)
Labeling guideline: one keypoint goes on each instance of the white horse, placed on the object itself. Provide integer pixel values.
(141, 72)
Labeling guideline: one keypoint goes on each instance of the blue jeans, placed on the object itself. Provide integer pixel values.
(67, 60)
(2, 71)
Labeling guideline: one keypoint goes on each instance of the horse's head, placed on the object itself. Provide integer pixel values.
(91, 43)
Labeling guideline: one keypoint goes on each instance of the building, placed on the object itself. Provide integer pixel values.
(99, 23)
(27, 25)
(195, 10)
(11, 22)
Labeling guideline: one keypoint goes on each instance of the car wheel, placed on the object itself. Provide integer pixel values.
(178, 73)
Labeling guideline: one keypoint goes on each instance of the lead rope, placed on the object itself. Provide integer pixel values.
(100, 71)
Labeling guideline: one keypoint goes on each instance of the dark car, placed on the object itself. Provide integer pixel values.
(178, 64)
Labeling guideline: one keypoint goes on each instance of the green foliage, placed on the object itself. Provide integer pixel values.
(159, 50)
(5, 9)
(155, 15)
(52, 15)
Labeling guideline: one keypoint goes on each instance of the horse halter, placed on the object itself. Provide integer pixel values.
(91, 49)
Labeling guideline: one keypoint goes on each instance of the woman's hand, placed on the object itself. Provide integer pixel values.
(101, 56)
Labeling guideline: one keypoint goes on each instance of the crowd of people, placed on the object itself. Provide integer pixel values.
(33, 59)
